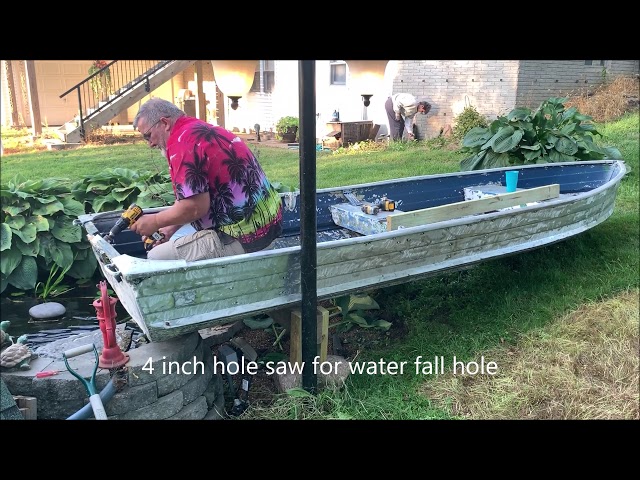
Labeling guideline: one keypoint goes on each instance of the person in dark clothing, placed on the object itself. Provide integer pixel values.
(401, 111)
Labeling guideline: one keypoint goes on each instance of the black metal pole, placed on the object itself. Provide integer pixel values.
(308, 260)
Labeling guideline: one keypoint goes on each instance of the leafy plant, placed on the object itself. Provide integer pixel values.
(353, 308)
(37, 231)
(287, 125)
(118, 188)
(469, 118)
(53, 287)
(550, 134)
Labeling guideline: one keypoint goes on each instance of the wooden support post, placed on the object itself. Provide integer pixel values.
(295, 335)
(323, 333)
(201, 102)
(34, 103)
(15, 119)
(28, 406)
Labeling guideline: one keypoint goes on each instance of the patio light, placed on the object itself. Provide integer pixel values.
(234, 77)
(367, 76)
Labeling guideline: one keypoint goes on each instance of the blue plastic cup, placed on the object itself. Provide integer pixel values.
(512, 180)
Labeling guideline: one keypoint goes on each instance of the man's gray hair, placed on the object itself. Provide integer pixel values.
(427, 106)
(156, 108)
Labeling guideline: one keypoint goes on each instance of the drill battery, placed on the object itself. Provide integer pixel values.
(387, 205)
(151, 239)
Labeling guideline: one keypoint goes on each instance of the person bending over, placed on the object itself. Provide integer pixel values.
(401, 110)
(220, 189)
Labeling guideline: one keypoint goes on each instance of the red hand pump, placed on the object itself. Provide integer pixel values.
(111, 356)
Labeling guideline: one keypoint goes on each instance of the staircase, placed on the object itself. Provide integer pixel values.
(128, 82)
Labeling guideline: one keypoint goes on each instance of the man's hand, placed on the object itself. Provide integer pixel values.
(411, 136)
(145, 225)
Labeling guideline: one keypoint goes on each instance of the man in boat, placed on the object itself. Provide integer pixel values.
(220, 189)
(401, 111)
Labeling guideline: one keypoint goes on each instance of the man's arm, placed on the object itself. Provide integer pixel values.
(180, 213)
(408, 126)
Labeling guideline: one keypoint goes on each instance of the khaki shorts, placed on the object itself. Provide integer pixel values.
(196, 246)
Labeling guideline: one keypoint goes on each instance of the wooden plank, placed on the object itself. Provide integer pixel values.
(295, 338)
(295, 335)
(323, 333)
(201, 101)
(28, 406)
(352, 217)
(34, 103)
(15, 119)
(472, 207)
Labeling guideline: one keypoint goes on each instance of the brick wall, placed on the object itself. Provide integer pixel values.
(541, 79)
(489, 85)
(623, 67)
(495, 87)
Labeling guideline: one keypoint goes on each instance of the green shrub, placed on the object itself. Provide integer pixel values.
(469, 118)
(550, 134)
(287, 125)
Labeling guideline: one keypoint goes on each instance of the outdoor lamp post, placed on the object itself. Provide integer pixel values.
(367, 76)
(234, 77)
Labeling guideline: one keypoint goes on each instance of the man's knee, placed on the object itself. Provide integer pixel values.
(164, 251)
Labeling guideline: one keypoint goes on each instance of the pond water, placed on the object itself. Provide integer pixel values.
(80, 315)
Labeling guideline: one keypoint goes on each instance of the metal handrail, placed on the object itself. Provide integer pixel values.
(119, 76)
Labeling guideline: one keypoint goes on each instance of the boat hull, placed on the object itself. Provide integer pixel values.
(170, 298)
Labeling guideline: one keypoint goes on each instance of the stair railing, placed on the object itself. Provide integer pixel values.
(103, 87)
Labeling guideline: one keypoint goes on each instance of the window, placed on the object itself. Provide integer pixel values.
(591, 62)
(338, 72)
(264, 69)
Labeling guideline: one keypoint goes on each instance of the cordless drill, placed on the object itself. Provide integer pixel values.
(128, 218)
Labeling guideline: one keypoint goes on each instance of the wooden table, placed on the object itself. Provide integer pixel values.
(350, 132)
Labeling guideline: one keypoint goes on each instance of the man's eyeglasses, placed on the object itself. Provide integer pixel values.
(147, 135)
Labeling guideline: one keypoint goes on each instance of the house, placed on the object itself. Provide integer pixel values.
(493, 87)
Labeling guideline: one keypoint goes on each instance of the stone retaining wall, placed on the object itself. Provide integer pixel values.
(146, 388)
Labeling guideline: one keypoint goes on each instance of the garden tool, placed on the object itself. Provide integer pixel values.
(94, 397)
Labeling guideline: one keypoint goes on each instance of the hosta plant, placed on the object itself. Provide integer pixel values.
(37, 231)
(353, 308)
(118, 188)
(550, 134)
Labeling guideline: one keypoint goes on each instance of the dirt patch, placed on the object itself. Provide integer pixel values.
(347, 344)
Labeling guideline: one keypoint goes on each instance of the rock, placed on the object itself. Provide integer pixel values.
(46, 310)
(220, 333)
